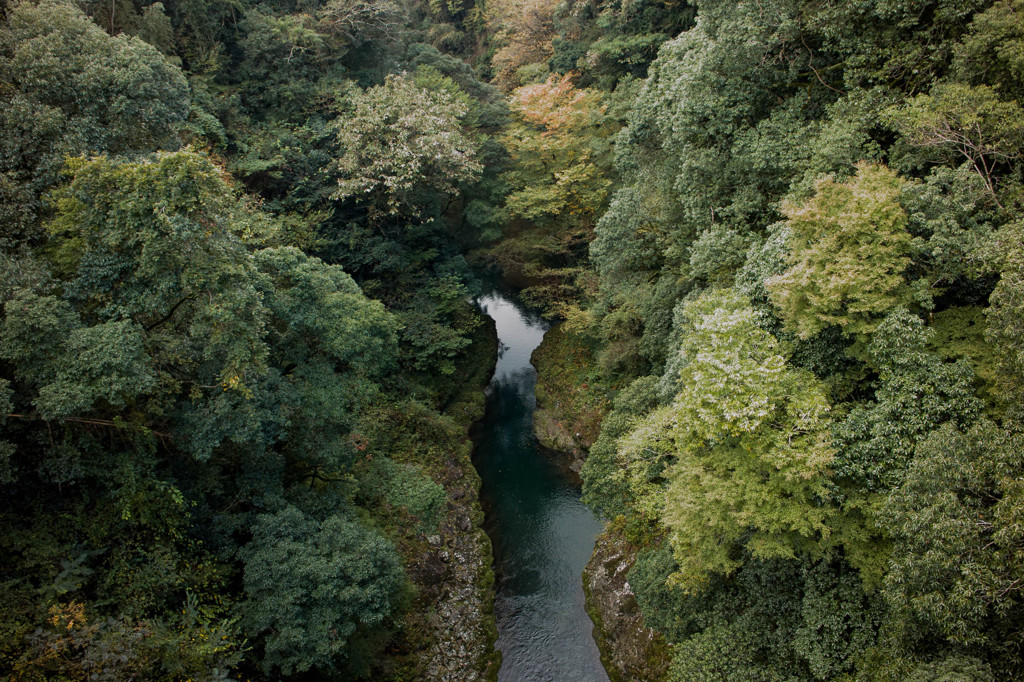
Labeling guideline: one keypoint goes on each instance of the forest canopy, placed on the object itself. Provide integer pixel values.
(239, 243)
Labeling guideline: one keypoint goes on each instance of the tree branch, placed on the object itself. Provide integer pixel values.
(93, 422)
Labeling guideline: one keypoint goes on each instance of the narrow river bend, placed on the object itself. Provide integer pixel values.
(543, 535)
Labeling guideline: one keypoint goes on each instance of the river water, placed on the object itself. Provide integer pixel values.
(543, 535)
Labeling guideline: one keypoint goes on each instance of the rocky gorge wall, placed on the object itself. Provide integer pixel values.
(630, 651)
(449, 633)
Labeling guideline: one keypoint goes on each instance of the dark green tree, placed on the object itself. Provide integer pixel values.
(310, 584)
(71, 89)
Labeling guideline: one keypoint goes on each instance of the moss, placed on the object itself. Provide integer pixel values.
(483, 357)
(571, 399)
(485, 581)
(465, 403)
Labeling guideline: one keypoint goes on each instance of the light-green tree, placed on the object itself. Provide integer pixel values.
(849, 250)
(960, 124)
(740, 456)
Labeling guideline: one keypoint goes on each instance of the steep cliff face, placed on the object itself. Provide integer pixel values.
(449, 632)
(456, 570)
(630, 651)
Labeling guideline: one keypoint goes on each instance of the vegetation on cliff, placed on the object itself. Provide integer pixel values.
(805, 280)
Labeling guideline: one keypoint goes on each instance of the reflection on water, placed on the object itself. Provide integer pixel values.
(543, 535)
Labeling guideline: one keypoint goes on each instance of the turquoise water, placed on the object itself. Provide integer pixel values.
(543, 535)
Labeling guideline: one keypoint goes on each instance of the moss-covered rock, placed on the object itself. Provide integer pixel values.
(630, 651)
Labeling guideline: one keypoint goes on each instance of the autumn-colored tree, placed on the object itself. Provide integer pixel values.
(524, 30)
(559, 180)
(558, 149)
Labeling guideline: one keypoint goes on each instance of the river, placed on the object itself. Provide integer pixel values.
(543, 534)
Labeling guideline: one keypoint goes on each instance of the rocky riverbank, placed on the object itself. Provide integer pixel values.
(457, 569)
(448, 634)
(630, 651)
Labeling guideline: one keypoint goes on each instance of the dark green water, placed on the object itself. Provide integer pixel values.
(543, 535)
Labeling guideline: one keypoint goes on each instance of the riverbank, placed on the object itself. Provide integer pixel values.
(571, 402)
(630, 651)
(448, 634)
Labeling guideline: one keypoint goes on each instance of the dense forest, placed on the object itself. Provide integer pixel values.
(239, 359)
(234, 299)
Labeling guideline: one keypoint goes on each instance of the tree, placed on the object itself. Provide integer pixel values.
(179, 375)
(602, 488)
(283, 58)
(722, 101)
(357, 20)
(742, 450)
(991, 50)
(715, 136)
(115, 93)
(953, 210)
(849, 249)
(558, 183)
(959, 559)
(717, 253)
(557, 152)
(916, 393)
(959, 123)
(771, 620)
(524, 32)
(319, 311)
(398, 139)
(74, 368)
(332, 345)
(159, 242)
(1006, 314)
(902, 44)
(311, 584)
(71, 89)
